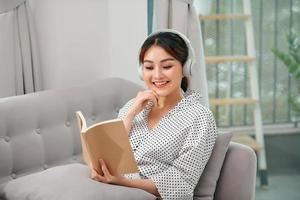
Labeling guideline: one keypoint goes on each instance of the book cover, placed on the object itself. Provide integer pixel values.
(109, 141)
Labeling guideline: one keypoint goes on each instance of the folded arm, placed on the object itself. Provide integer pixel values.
(138, 105)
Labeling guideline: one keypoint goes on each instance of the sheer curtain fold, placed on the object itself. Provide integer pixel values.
(22, 47)
(181, 15)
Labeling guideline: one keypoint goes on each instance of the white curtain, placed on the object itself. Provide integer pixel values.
(19, 64)
(181, 15)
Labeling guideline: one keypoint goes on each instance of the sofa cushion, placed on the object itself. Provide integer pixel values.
(68, 182)
(73, 182)
(206, 186)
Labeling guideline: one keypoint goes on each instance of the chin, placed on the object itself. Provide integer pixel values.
(163, 95)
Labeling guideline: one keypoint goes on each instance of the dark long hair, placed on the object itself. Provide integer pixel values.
(171, 43)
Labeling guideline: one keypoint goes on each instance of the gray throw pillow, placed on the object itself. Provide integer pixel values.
(206, 186)
(68, 182)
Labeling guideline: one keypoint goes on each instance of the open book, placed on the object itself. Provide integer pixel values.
(107, 140)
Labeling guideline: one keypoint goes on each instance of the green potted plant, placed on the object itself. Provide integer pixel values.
(291, 60)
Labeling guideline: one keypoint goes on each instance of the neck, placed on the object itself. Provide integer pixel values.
(170, 100)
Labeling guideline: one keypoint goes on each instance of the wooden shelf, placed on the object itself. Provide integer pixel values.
(224, 59)
(237, 101)
(224, 17)
(248, 141)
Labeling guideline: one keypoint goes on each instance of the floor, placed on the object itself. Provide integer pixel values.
(283, 159)
(282, 186)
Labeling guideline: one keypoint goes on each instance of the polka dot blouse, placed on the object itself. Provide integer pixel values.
(174, 153)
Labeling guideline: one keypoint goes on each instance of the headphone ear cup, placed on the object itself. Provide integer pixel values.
(187, 68)
(140, 72)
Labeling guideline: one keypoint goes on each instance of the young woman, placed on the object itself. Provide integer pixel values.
(171, 133)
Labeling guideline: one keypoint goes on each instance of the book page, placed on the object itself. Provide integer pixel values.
(103, 122)
(81, 121)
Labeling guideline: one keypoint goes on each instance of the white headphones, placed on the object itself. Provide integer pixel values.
(190, 62)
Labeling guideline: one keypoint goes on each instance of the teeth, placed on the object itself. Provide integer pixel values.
(160, 83)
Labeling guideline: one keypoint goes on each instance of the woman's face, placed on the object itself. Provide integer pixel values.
(162, 73)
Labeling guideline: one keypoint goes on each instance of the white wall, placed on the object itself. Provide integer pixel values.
(128, 29)
(84, 40)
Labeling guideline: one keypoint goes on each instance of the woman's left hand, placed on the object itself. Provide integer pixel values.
(106, 177)
(144, 184)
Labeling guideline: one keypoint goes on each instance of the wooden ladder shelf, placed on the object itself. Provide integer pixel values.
(256, 143)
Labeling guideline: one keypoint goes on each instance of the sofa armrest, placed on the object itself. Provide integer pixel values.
(238, 175)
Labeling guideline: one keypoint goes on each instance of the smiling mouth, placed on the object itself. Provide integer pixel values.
(160, 84)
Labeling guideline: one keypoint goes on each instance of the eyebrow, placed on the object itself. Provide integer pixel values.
(164, 60)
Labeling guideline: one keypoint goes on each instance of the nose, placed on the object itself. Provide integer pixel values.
(158, 72)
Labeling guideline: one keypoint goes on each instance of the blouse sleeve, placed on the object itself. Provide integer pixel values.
(181, 178)
(123, 111)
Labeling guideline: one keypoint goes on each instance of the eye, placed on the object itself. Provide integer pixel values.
(148, 67)
(167, 66)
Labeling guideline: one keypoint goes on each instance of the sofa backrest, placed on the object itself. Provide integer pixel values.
(39, 130)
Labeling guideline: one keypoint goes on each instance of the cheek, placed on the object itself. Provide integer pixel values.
(146, 75)
(147, 78)
(177, 77)
(176, 73)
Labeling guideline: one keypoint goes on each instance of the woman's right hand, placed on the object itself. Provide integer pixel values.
(141, 100)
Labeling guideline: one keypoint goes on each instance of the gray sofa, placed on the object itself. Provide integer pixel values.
(41, 158)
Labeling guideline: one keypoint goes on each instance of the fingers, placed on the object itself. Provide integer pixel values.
(147, 95)
(160, 100)
(100, 178)
(107, 177)
(95, 176)
(141, 100)
(104, 168)
(154, 97)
